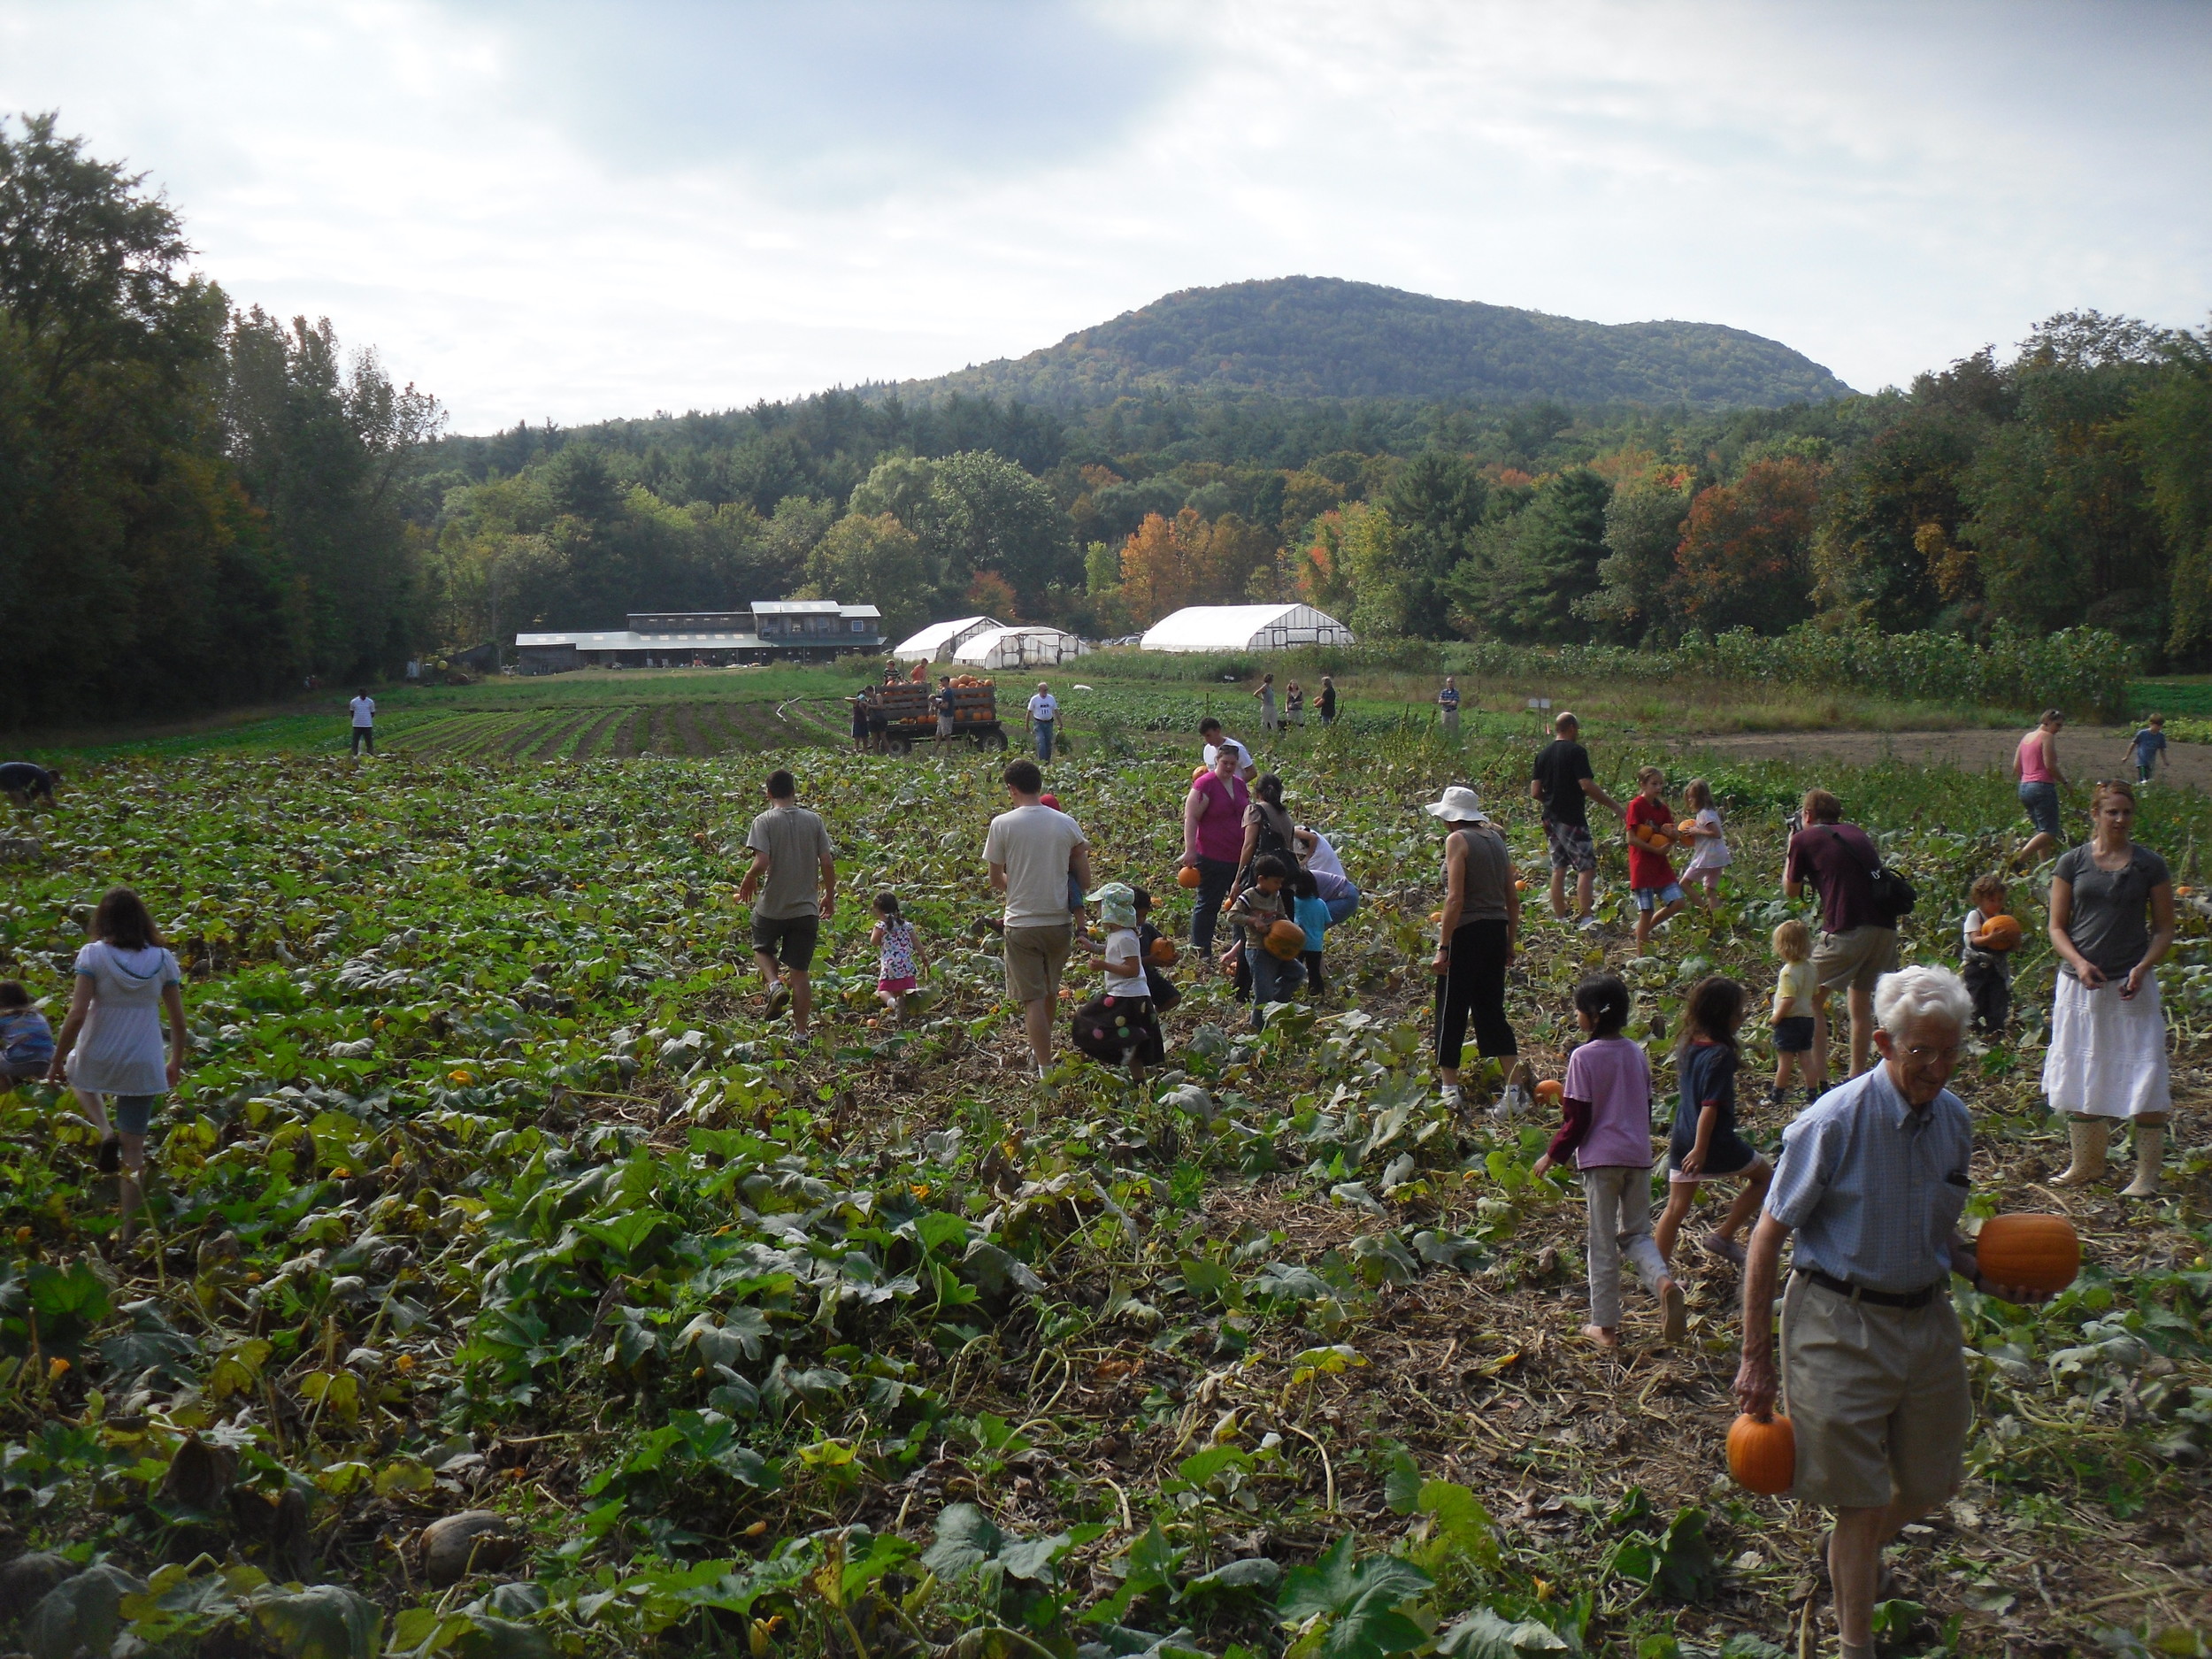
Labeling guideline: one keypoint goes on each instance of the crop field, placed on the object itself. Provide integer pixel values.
(490, 1192)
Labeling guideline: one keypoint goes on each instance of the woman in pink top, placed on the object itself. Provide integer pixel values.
(1608, 1128)
(2035, 763)
(1213, 836)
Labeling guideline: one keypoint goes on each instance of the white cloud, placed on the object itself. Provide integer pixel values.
(580, 210)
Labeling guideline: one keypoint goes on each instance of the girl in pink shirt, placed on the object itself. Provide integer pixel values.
(1608, 1128)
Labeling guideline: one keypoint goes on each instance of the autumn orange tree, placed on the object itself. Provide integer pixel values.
(1746, 556)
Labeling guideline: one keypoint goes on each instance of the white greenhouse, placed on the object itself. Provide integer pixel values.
(1000, 647)
(937, 642)
(1244, 628)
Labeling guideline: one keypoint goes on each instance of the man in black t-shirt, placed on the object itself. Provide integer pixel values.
(1564, 785)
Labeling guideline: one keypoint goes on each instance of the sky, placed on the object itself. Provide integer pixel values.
(575, 209)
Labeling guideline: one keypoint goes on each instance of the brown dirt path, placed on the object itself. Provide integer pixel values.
(2084, 751)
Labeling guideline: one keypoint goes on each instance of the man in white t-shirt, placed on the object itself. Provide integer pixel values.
(363, 707)
(1030, 850)
(1210, 733)
(1044, 709)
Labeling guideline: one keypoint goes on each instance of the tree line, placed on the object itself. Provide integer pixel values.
(202, 506)
(199, 506)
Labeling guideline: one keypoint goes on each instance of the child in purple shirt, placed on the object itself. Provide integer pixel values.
(1608, 1128)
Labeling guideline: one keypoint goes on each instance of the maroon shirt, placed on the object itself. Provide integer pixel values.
(1838, 860)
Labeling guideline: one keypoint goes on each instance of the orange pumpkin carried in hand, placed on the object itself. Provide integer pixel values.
(1763, 1456)
(2000, 932)
(2040, 1253)
(1285, 942)
(1187, 876)
(1162, 953)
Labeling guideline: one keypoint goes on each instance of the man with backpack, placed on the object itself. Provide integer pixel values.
(1860, 904)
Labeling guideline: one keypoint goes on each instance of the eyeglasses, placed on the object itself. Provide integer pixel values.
(1923, 1054)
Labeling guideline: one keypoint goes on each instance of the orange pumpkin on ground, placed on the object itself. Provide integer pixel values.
(1187, 876)
(2029, 1252)
(1285, 942)
(2000, 932)
(1763, 1456)
(1162, 953)
(1551, 1088)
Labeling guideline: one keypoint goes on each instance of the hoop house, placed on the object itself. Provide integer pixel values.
(937, 642)
(1019, 648)
(1244, 628)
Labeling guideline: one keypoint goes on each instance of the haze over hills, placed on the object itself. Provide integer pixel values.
(1322, 337)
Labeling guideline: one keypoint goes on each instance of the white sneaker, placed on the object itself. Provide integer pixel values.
(1454, 1095)
(1512, 1104)
(1589, 924)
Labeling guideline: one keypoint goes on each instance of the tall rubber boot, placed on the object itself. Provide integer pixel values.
(2150, 1149)
(2091, 1136)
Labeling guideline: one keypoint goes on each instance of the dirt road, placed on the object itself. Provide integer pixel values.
(2084, 751)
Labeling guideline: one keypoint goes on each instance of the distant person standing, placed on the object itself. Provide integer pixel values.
(2035, 763)
(23, 781)
(364, 708)
(945, 703)
(414, 670)
(1030, 850)
(1044, 709)
(1448, 709)
(1266, 695)
(795, 877)
(1565, 786)
(1328, 700)
(860, 722)
(1294, 704)
(2148, 746)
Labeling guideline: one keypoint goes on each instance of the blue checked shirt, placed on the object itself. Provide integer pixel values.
(1872, 1188)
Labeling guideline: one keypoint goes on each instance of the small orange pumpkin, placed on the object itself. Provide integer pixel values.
(1187, 876)
(1285, 942)
(2029, 1252)
(1686, 827)
(1763, 1456)
(1551, 1088)
(1162, 953)
(2000, 932)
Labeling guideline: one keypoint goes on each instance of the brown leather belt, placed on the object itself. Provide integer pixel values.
(1909, 1300)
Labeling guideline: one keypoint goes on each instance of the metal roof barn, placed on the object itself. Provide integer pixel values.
(1244, 628)
(1019, 648)
(937, 642)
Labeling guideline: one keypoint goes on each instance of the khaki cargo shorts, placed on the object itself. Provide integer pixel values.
(1877, 1397)
(1854, 960)
(1034, 957)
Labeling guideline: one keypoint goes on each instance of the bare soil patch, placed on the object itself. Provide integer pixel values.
(2084, 751)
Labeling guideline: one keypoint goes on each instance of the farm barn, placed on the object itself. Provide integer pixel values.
(1244, 628)
(937, 642)
(1019, 648)
(766, 631)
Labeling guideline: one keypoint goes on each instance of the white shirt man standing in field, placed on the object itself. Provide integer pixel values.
(1044, 709)
(791, 855)
(364, 708)
(1030, 850)
(1873, 1178)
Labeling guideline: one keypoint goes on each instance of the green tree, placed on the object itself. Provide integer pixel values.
(2170, 433)
(875, 561)
(1540, 563)
(1643, 527)
(1436, 501)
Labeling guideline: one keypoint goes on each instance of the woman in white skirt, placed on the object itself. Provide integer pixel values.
(111, 1043)
(2112, 923)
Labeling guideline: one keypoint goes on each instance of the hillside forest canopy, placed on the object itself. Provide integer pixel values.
(204, 505)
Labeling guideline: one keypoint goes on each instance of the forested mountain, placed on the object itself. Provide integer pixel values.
(1322, 337)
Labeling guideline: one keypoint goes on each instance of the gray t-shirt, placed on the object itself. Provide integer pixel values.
(2111, 922)
(795, 843)
(1489, 874)
(1036, 844)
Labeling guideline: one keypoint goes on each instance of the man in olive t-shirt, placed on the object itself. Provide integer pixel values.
(791, 853)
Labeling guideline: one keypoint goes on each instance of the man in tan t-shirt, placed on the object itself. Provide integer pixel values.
(791, 855)
(1030, 850)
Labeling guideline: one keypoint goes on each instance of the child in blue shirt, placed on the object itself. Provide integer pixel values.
(27, 1042)
(1307, 911)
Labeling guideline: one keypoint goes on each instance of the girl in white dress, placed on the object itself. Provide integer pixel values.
(1709, 841)
(111, 1043)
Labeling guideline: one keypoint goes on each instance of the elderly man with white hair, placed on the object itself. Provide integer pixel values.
(1871, 1181)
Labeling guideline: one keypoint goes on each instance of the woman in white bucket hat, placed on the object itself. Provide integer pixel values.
(1477, 931)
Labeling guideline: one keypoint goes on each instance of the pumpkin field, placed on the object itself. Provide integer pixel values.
(512, 1287)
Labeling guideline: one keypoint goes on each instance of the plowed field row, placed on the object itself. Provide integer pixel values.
(686, 729)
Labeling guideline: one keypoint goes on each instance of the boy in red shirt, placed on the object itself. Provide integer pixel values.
(1650, 877)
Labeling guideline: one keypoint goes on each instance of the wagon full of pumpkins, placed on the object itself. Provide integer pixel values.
(909, 713)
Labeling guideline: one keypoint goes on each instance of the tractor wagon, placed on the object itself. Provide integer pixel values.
(909, 713)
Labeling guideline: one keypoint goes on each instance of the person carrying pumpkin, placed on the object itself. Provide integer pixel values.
(1871, 1181)
(1650, 876)
(1258, 911)
(1987, 938)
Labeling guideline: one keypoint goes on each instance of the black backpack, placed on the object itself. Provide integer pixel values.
(1893, 895)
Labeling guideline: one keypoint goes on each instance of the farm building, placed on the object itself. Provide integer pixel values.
(1244, 628)
(766, 631)
(1019, 648)
(937, 642)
